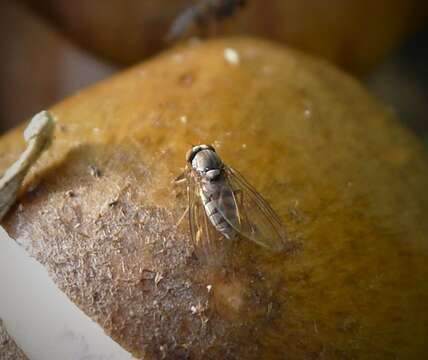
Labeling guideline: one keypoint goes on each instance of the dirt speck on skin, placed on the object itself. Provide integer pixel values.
(186, 80)
(8, 349)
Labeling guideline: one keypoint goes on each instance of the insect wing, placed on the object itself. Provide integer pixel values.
(181, 23)
(201, 12)
(210, 246)
(252, 216)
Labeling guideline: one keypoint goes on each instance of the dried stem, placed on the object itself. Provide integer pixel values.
(38, 136)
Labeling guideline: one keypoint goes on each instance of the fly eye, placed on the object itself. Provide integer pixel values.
(189, 155)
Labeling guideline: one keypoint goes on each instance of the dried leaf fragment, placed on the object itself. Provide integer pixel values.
(38, 136)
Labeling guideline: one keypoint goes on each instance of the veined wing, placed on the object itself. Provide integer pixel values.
(211, 247)
(252, 216)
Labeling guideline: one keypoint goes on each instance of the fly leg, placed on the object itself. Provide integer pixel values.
(182, 217)
(180, 179)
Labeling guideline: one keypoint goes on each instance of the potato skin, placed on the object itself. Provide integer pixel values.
(346, 178)
(354, 34)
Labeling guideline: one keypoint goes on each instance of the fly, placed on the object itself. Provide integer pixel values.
(223, 205)
(201, 12)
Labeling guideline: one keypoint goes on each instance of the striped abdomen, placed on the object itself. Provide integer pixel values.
(210, 194)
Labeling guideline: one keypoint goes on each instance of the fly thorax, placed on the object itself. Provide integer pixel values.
(207, 164)
(211, 188)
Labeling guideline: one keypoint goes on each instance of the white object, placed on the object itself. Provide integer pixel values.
(231, 56)
(41, 319)
(38, 136)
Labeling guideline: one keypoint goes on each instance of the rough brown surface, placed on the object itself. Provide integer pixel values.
(8, 349)
(356, 34)
(100, 212)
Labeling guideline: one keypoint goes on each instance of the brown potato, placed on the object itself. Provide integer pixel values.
(100, 211)
(354, 34)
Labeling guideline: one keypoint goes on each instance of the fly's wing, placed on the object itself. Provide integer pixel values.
(250, 215)
(181, 23)
(200, 12)
(210, 246)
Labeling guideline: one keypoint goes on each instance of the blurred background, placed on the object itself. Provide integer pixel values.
(52, 48)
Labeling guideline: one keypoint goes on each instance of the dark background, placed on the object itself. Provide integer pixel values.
(40, 65)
